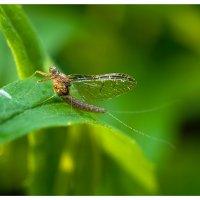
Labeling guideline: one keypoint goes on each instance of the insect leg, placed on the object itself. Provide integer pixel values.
(48, 99)
(42, 73)
(43, 80)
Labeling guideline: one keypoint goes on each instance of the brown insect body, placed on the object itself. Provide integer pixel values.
(61, 83)
(81, 105)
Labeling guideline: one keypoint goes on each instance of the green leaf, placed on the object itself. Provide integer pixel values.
(128, 155)
(23, 110)
(22, 40)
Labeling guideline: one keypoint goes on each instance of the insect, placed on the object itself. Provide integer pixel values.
(89, 87)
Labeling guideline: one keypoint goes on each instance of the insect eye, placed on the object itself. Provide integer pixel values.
(53, 70)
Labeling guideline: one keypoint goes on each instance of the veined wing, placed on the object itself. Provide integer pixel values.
(100, 87)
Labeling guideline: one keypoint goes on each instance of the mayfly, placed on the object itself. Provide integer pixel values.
(92, 87)
(89, 87)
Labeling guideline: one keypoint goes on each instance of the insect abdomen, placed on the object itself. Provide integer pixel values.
(81, 105)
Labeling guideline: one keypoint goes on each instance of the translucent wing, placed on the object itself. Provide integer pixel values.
(100, 87)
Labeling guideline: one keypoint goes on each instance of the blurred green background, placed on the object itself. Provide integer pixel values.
(159, 45)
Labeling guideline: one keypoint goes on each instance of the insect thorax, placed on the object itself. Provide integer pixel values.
(61, 85)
